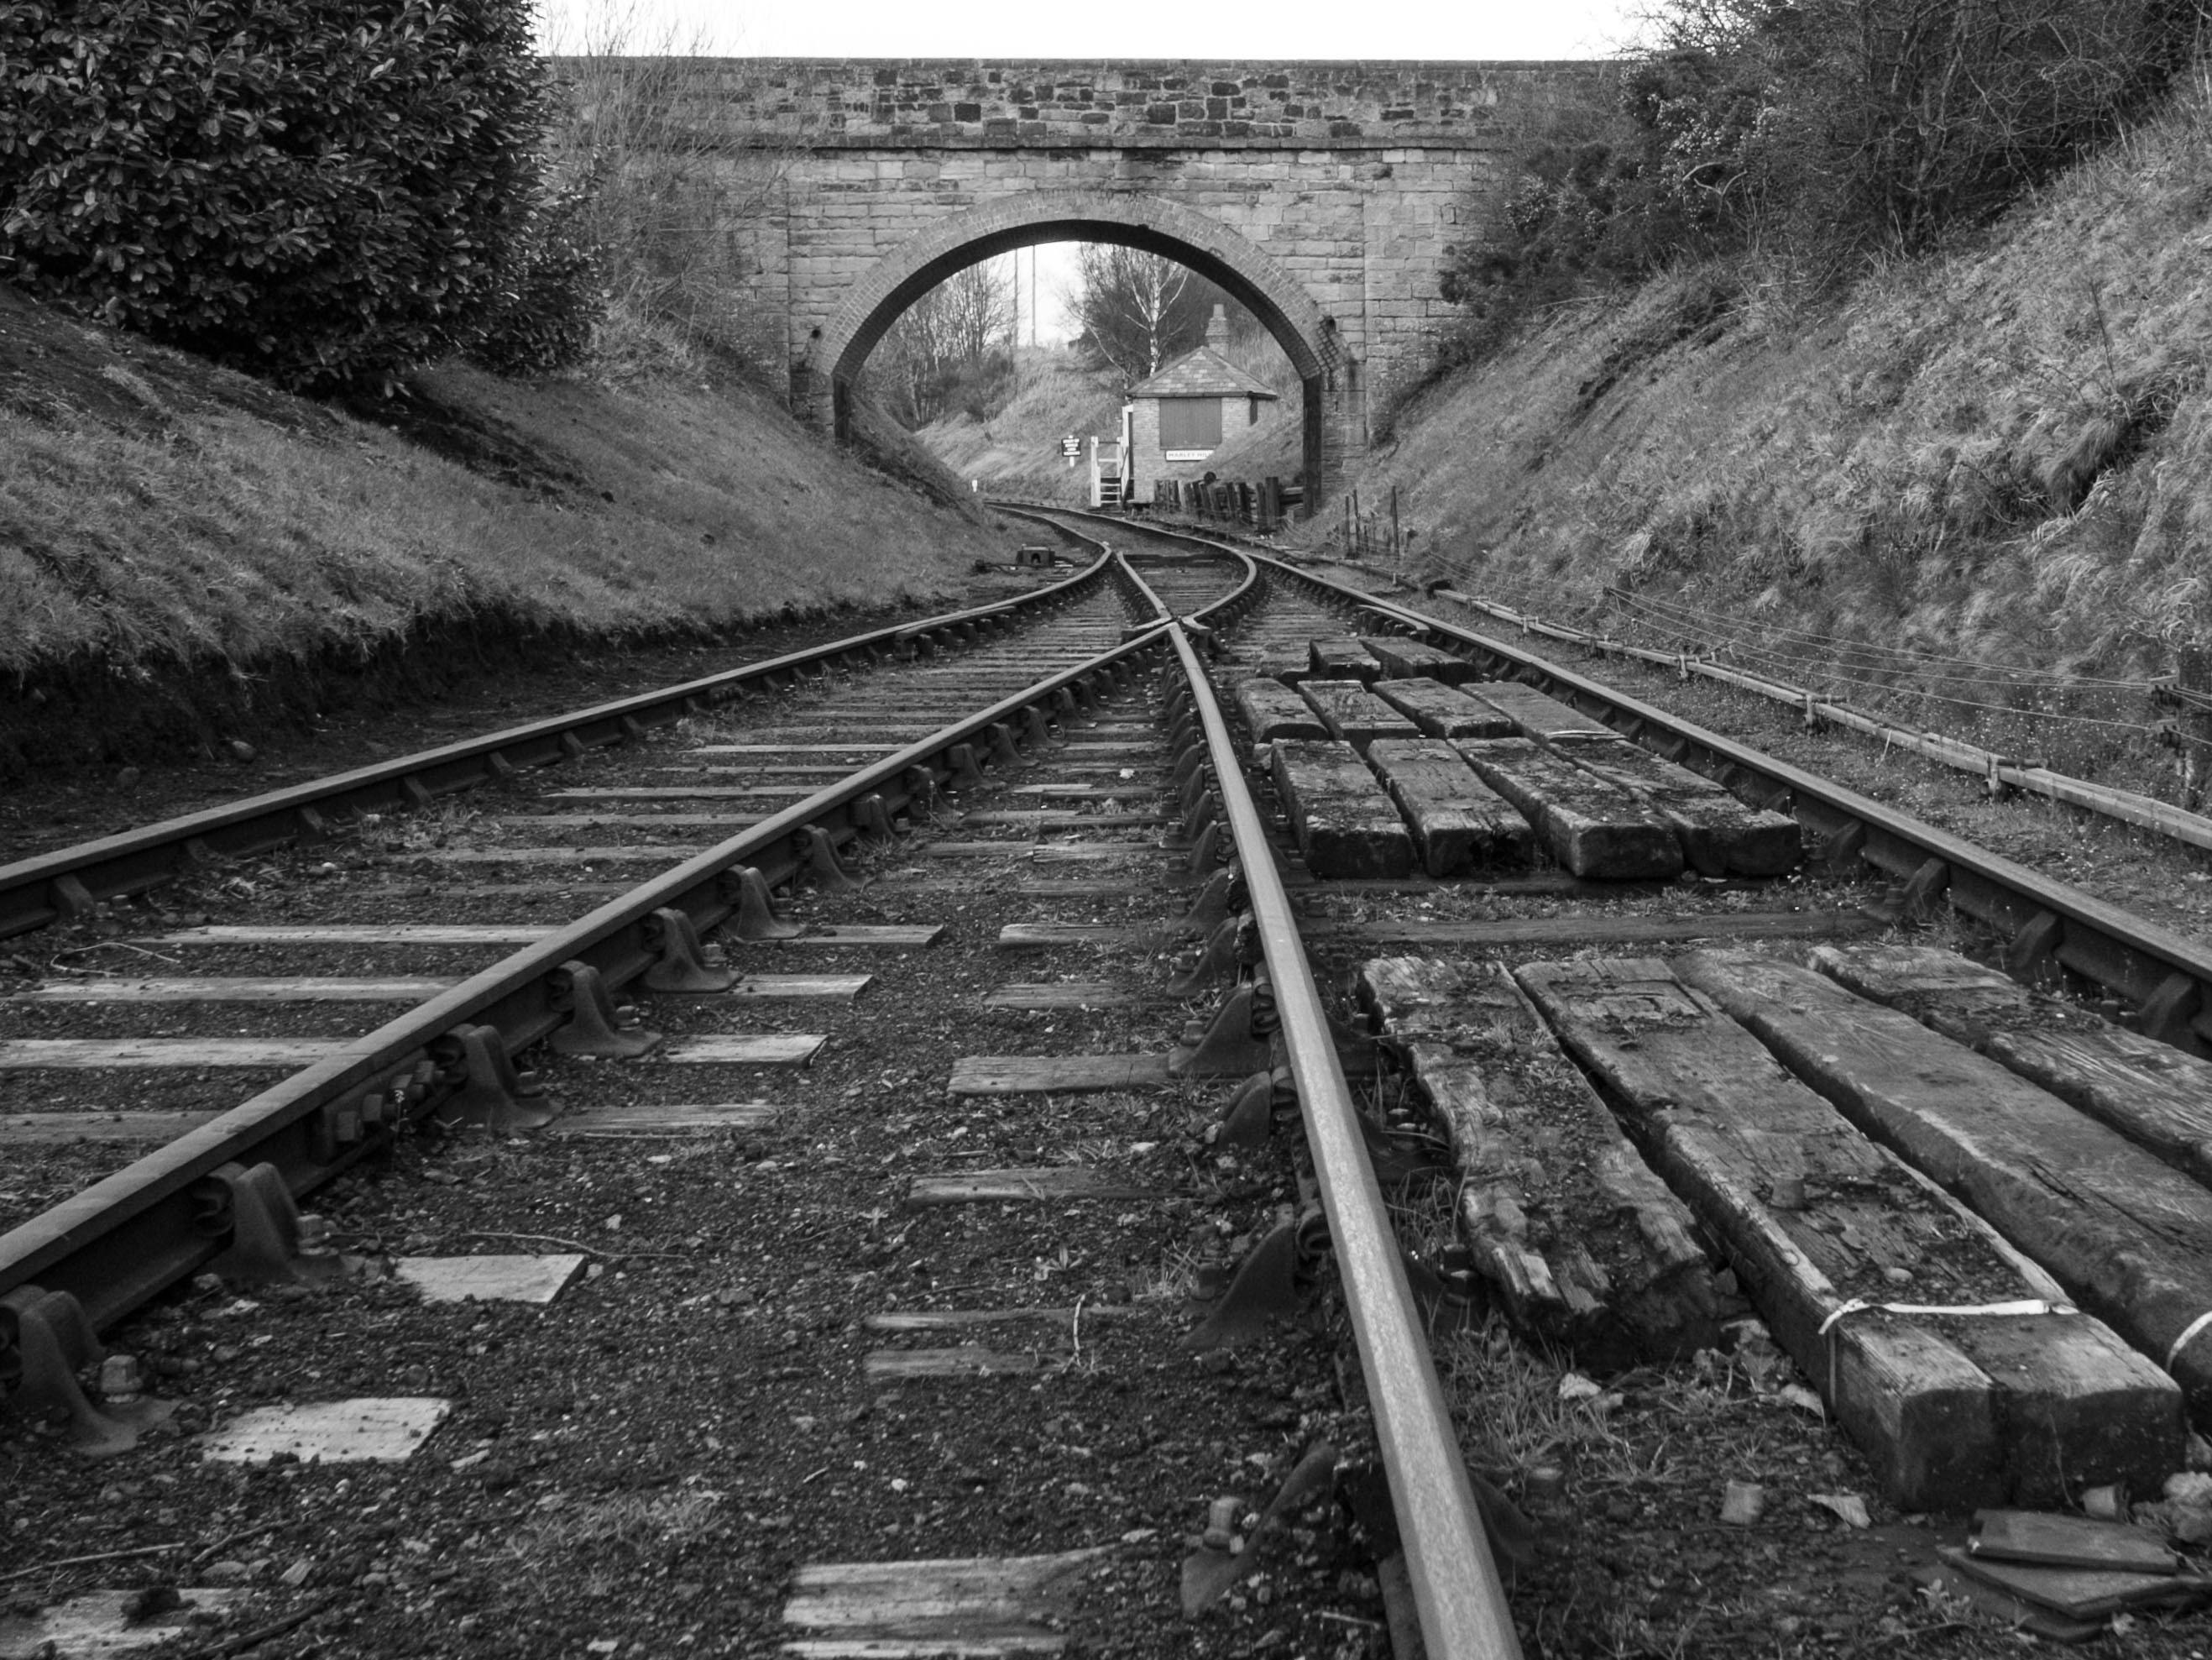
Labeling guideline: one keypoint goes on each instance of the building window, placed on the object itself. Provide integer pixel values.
(1190, 423)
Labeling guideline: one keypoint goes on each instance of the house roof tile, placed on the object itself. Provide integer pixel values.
(1201, 373)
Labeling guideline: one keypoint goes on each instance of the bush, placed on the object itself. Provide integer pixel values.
(316, 193)
(551, 307)
(1821, 130)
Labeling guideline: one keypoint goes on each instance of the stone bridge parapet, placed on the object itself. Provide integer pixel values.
(1322, 195)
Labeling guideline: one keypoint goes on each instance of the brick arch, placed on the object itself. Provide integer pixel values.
(1307, 335)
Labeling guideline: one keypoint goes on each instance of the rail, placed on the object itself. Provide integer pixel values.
(49, 887)
(1457, 1589)
(2003, 772)
(120, 1241)
(2163, 977)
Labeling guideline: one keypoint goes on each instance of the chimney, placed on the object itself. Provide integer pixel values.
(1217, 329)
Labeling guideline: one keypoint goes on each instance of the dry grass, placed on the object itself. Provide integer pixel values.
(1016, 451)
(145, 539)
(1999, 459)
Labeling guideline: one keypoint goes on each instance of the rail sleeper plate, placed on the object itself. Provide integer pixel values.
(1041, 1075)
(1046, 1181)
(973, 1606)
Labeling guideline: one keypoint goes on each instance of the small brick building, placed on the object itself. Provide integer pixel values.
(1180, 417)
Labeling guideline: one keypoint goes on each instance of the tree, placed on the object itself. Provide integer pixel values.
(1138, 310)
(319, 193)
(949, 347)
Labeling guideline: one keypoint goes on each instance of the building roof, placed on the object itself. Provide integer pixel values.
(1201, 373)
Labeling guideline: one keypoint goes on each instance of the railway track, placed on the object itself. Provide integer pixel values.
(883, 1062)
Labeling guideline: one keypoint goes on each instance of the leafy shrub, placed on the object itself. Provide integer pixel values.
(1819, 130)
(316, 193)
(555, 296)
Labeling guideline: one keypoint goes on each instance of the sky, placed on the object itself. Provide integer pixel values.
(1226, 29)
(1061, 28)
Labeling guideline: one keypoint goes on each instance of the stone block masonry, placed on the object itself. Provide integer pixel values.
(1322, 195)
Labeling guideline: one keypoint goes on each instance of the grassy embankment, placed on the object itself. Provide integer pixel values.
(177, 540)
(1962, 489)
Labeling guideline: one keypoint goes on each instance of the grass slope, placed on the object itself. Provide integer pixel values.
(162, 519)
(1016, 451)
(1970, 471)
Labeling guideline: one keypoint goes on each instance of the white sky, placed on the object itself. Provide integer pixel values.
(1223, 29)
(1064, 28)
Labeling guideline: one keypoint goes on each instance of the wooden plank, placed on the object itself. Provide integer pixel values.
(295, 989)
(1336, 658)
(878, 936)
(59, 1129)
(1720, 835)
(1345, 824)
(1459, 822)
(1354, 715)
(1048, 853)
(1593, 828)
(1040, 936)
(671, 1118)
(802, 748)
(635, 853)
(741, 1048)
(676, 792)
(1272, 710)
(974, 1606)
(1072, 1181)
(721, 821)
(1582, 1245)
(1537, 716)
(1416, 659)
(2126, 1233)
(886, 935)
(966, 1361)
(836, 987)
(899, 1320)
(1041, 1075)
(2150, 1091)
(1591, 929)
(1041, 818)
(352, 933)
(130, 1054)
(2070, 1542)
(2079, 1593)
(2013, 1407)
(1068, 994)
(1442, 711)
(1121, 791)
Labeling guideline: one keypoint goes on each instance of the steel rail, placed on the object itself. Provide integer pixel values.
(2164, 977)
(48, 887)
(1218, 613)
(120, 1241)
(1456, 1590)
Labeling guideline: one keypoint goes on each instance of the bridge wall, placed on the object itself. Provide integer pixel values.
(1322, 195)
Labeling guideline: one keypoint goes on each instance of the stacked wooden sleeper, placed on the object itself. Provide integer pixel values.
(1825, 1141)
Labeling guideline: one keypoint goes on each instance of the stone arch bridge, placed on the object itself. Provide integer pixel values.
(1323, 196)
